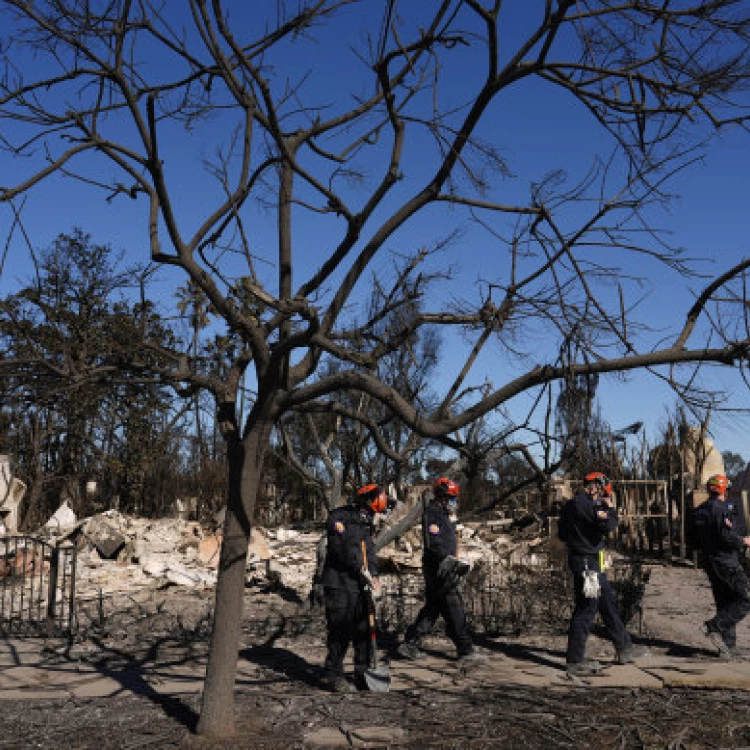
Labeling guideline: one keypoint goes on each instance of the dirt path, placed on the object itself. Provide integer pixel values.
(677, 601)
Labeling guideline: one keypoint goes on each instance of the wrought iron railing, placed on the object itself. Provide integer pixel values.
(512, 599)
(37, 586)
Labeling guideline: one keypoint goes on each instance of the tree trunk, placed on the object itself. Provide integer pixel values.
(245, 462)
(475, 486)
(35, 512)
(334, 499)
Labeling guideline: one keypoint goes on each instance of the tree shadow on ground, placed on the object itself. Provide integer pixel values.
(282, 660)
(130, 672)
(545, 657)
(684, 650)
(287, 593)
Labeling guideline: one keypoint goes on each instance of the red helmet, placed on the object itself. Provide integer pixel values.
(446, 487)
(718, 483)
(374, 497)
(596, 477)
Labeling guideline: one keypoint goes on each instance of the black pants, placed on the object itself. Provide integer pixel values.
(347, 622)
(584, 612)
(731, 592)
(448, 603)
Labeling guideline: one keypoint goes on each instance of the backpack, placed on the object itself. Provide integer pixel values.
(698, 526)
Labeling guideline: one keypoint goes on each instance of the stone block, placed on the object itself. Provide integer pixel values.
(209, 549)
(326, 737)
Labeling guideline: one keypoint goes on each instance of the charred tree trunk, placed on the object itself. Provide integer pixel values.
(245, 463)
(35, 512)
(475, 485)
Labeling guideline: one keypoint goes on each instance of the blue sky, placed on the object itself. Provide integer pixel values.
(538, 129)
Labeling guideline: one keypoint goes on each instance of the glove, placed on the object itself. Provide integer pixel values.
(369, 583)
(451, 571)
(317, 595)
(366, 580)
(376, 589)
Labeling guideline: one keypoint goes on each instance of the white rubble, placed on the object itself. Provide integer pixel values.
(63, 518)
(178, 552)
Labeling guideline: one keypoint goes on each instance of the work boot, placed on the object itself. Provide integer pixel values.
(708, 629)
(410, 651)
(472, 659)
(337, 683)
(584, 668)
(631, 653)
(360, 683)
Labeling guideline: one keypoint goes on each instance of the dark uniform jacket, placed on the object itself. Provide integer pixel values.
(346, 528)
(439, 535)
(718, 531)
(583, 525)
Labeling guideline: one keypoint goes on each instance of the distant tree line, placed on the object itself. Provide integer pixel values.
(80, 403)
(70, 411)
(74, 411)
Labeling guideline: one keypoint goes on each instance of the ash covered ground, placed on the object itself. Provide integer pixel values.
(128, 629)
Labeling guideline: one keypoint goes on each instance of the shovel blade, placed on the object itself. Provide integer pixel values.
(378, 679)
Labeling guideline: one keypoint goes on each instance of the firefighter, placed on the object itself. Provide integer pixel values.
(716, 530)
(441, 570)
(342, 579)
(584, 522)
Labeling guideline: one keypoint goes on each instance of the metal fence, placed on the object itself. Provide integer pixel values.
(37, 587)
(513, 599)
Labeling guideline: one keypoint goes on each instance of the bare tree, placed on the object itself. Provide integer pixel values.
(371, 443)
(406, 130)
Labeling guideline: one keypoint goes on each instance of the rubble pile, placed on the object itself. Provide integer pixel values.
(119, 553)
(517, 579)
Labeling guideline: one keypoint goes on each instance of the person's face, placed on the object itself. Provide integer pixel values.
(594, 491)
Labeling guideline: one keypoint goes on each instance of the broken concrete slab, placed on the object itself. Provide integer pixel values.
(376, 736)
(326, 737)
(209, 549)
(258, 548)
(627, 676)
(720, 675)
(99, 686)
(33, 694)
(23, 676)
(175, 686)
(529, 675)
(422, 676)
(103, 531)
(348, 736)
(181, 575)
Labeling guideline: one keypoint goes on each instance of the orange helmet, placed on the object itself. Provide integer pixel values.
(374, 497)
(445, 486)
(718, 483)
(596, 477)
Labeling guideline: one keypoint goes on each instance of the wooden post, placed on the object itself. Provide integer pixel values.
(683, 551)
(670, 530)
(54, 565)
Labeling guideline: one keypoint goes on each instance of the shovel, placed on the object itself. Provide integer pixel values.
(377, 676)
